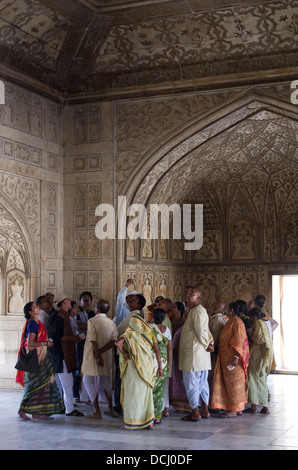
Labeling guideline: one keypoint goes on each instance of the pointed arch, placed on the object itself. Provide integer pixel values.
(16, 234)
(190, 141)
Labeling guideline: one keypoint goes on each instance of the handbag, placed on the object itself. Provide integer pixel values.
(27, 362)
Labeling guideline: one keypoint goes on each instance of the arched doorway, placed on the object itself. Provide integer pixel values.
(17, 260)
(238, 160)
(19, 283)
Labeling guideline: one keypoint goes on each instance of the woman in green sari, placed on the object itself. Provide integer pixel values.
(260, 360)
(137, 347)
(164, 341)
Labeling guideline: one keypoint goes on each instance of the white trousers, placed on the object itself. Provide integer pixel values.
(196, 387)
(95, 385)
(66, 380)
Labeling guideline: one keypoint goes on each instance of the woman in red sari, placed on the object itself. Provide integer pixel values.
(41, 396)
(230, 375)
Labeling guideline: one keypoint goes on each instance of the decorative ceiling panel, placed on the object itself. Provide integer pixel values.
(107, 47)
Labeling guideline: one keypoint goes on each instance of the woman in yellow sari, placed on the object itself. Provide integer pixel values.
(137, 346)
(230, 375)
(261, 354)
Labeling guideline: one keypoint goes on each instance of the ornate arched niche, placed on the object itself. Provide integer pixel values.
(238, 160)
(17, 259)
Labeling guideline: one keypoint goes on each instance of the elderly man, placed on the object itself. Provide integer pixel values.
(98, 358)
(196, 343)
(64, 352)
(217, 319)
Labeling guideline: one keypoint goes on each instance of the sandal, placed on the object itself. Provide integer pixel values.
(113, 414)
(94, 416)
(190, 418)
(227, 415)
(23, 416)
(265, 411)
(75, 413)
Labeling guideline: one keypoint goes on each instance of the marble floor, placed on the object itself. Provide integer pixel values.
(277, 431)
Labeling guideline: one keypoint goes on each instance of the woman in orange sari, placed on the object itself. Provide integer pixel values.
(41, 395)
(230, 375)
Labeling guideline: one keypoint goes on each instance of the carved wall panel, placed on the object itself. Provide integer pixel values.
(220, 282)
(242, 168)
(17, 260)
(16, 291)
(86, 198)
(87, 126)
(87, 280)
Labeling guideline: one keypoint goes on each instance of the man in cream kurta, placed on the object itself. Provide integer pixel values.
(98, 359)
(194, 357)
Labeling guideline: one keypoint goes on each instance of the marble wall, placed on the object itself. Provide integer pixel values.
(31, 195)
(232, 150)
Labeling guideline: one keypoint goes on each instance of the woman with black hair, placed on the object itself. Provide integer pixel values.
(164, 342)
(177, 395)
(261, 354)
(41, 397)
(230, 375)
(137, 346)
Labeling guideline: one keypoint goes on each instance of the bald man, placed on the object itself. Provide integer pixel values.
(217, 319)
(196, 344)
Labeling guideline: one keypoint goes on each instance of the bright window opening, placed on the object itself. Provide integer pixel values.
(284, 311)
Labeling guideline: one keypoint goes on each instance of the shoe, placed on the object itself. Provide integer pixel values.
(75, 413)
(190, 418)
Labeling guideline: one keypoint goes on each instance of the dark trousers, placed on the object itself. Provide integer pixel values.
(117, 383)
(77, 374)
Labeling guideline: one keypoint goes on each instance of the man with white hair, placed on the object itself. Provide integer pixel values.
(97, 360)
(196, 343)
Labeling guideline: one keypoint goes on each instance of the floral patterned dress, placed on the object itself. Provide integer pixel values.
(158, 390)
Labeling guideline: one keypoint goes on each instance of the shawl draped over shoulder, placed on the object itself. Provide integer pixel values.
(139, 339)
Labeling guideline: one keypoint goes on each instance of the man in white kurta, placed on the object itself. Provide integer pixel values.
(98, 357)
(196, 343)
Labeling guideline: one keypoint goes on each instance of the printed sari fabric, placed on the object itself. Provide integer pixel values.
(177, 393)
(41, 394)
(229, 386)
(260, 360)
(158, 390)
(137, 375)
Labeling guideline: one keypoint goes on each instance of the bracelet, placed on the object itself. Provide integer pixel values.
(237, 357)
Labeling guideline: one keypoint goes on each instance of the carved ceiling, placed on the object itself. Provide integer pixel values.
(112, 48)
(253, 162)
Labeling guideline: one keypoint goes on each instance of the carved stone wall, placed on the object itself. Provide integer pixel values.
(88, 169)
(236, 155)
(232, 150)
(30, 201)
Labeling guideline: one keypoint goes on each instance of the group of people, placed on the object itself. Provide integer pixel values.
(165, 354)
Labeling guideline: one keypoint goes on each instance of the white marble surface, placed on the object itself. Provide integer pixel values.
(277, 431)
